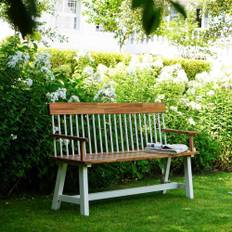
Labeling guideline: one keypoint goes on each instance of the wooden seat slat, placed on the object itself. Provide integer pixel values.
(120, 157)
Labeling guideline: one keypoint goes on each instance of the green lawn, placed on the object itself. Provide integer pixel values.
(211, 210)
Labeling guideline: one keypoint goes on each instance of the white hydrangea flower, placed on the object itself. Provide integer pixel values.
(191, 91)
(181, 77)
(48, 72)
(17, 58)
(102, 69)
(84, 54)
(191, 121)
(74, 98)
(106, 92)
(88, 70)
(58, 94)
(211, 93)
(172, 73)
(194, 106)
(147, 58)
(174, 108)
(43, 59)
(158, 63)
(198, 98)
(13, 137)
(29, 82)
(132, 65)
(159, 98)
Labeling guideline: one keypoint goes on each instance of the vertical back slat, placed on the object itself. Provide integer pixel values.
(150, 128)
(71, 131)
(89, 136)
(155, 128)
(111, 138)
(159, 128)
(94, 134)
(105, 132)
(131, 133)
(83, 128)
(61, 143)
(100, 133)
(54, 131)
(136, 132)
(116, 132)
(121, 132)
(126, 132)
(141, 131)
(165, 136)
(66, 133)
(77, 133)
(145, 126)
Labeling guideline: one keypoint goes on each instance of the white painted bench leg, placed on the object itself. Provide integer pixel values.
(83, 185)
(188, 178)
(167, 171)
(60, 179)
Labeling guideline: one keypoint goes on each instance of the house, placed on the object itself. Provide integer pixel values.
(67, 20)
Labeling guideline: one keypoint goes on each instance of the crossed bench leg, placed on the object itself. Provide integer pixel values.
(84, 197)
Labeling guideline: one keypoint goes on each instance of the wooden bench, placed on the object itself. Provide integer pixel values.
(96, 133)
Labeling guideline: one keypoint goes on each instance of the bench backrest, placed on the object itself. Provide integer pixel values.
(109, 127)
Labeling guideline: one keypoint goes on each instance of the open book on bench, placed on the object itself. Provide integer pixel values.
(166, 148)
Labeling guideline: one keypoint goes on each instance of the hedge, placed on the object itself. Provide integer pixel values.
(25, 132)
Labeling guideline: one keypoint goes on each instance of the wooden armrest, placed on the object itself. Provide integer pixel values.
(190, 133)
(58, 136)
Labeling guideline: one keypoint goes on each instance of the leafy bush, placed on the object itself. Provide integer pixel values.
(191, 67)
(28, 81)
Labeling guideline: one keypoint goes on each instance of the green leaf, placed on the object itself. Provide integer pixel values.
(137, 3)
(179, 8)
(151, 17)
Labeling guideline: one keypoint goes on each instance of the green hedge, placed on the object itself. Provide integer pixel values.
(110, 59)
(24, 159)
(191, 67)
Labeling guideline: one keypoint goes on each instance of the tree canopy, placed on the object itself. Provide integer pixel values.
(22, 14)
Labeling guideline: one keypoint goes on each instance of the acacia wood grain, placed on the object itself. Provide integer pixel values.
(119, 157)
(63, 108)
(191, 133)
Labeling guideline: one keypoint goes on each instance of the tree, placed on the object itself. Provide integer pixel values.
(21, 14)
(124, 17)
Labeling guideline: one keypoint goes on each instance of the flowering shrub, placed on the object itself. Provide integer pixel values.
(29, 79)
(27, 83)
(191, 104)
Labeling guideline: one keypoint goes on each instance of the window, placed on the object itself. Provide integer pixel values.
(71, 6)
(68, 14)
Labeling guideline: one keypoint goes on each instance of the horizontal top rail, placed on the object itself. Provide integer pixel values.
(104, 108)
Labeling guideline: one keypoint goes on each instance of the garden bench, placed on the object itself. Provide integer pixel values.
(86, 134)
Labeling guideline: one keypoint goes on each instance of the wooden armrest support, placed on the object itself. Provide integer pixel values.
(190, 133)
(81, 139)
(58, 136)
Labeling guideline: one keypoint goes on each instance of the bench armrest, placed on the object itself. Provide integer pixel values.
(59, 136)
(70, 137)
(190, 133)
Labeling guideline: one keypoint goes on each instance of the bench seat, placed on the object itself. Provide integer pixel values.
(119, 157)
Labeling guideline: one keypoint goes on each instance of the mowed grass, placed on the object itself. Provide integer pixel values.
(211, 210)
